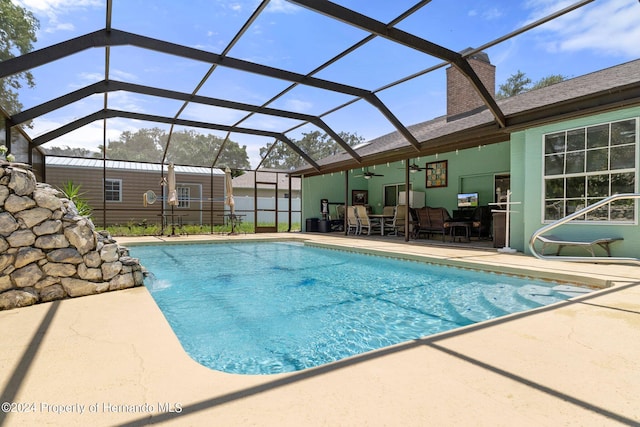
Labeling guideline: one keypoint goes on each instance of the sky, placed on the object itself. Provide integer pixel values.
(599, 35)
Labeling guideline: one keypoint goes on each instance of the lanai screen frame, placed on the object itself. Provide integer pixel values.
(109, 36)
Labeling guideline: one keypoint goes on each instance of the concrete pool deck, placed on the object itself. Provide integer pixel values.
(112, 359)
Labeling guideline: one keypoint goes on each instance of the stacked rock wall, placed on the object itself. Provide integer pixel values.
(49, 252)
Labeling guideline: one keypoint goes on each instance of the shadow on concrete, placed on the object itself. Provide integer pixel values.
(431, 342)
(20, 372)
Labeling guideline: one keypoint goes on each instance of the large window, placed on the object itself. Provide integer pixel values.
(585, 165)
(392, 193)
(113, 190)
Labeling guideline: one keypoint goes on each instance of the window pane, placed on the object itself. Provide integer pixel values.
(623, 132)
(574, 206)
(575, 140)
(600, 214)
(598, 136)
(575, 162)
(554, 164)
(554, 143)
(578, 166)
(112, 190)
(554, 188)
(623, 157)
(622, 210)
(390, 195)
(553, 209)
(598, 185)
(597, 160)
(183, 196)
(622, 183)
(575, 187)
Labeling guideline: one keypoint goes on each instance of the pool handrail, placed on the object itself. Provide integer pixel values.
(561, 221)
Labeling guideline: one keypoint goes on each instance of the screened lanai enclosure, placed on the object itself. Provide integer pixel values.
(274, 90)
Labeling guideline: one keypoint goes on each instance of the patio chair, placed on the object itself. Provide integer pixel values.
(414, 226)
(352, 220)
(364, 222)
(389, 223)
(398, 222)
(481, 220)
(434, 221)
(337, 222)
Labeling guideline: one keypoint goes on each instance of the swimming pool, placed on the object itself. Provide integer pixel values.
(265, 308)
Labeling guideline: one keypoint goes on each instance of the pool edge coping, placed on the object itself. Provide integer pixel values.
(471, 261)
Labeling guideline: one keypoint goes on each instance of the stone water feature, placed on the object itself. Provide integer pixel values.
(49, 252)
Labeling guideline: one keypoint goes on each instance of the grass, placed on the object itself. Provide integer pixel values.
(145, 229)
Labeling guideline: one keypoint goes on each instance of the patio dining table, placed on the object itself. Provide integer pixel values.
(380, 218)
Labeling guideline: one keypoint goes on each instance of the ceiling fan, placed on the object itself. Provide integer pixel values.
(367, 174)
(414, 167)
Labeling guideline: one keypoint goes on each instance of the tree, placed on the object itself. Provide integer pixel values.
(548, 81)
(314, 144)
(145, 145)
(18, 28)
(519, 83)
(186, 147)
(70, 152)
(193, 148)
(516, 83)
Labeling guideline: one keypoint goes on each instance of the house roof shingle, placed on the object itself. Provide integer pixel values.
(597, 90)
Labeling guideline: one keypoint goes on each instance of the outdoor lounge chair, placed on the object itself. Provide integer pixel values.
(588, 245)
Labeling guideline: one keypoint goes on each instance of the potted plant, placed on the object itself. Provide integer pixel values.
(6, 156)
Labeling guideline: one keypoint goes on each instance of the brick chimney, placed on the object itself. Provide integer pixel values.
(462, 99)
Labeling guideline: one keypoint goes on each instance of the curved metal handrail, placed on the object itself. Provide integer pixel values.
(610, 260)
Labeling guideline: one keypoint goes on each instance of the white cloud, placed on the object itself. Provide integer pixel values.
(608, 27)
(282, 6)
(118, 74)
(55, 11)
(298, 105)
(491, 14)
(88, 137)
(91, 77)
(488, 14)
(206, 113)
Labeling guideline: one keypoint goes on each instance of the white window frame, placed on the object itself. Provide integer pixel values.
(586, 174)
(397, 191)
(184, 197)
(111, 191)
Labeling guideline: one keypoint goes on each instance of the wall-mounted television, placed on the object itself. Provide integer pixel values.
(467, 200)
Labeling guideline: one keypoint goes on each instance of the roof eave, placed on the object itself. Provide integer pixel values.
(489, 133)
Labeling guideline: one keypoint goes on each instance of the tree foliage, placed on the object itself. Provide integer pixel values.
(519, 83)
(18, 28)
(548, 81)
(314, 144)
(187, 147)
(193, 148)
(70, 152)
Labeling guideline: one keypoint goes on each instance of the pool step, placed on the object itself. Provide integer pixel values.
(472, 304)
(571, 291)
(505, 298)
(541, 295)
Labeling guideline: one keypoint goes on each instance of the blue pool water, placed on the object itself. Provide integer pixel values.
(264, 308)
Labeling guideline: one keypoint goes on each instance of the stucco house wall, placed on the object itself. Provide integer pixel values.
(471, 170)
(527, 154)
